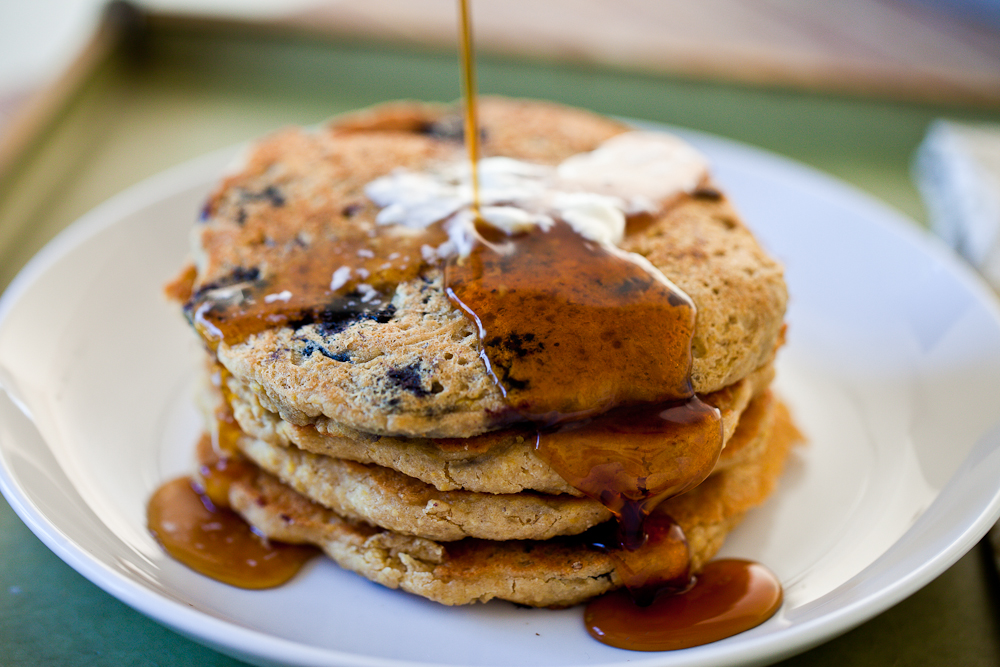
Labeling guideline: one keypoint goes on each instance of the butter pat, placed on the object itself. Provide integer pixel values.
(643, 168)
(593, 192)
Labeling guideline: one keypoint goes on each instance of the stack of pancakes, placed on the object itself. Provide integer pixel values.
(379, 435)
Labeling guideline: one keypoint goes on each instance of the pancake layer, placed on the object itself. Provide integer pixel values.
(556, 572)
(412, 368)
(494, 462)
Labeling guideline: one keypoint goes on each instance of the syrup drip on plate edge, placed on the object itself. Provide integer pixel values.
(192, 520)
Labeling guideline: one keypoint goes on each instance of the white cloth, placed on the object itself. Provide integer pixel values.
(957, 170)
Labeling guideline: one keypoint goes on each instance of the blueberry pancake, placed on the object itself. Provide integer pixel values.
(363, 312)
(403, 360)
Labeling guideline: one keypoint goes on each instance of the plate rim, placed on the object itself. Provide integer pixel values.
(205, 628)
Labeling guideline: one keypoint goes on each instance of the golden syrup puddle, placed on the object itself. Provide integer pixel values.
(193, 523)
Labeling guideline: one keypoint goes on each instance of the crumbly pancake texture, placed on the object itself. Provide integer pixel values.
(406, 505)
(495, 462)
(556, 572)
(392, 500)
(414, 370)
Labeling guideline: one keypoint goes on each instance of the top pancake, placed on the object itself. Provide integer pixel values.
(413, 368)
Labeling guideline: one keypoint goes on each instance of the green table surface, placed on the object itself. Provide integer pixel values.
(189, 92)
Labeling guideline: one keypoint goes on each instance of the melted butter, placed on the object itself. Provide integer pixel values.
(643, 168)
(513, 196)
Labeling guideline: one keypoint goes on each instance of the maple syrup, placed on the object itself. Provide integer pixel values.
(337, 277)
(726, 598)
(571, 328)
(632, 459)
(193, 523)
(470, 98)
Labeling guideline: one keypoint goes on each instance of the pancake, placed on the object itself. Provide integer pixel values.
(495, 462)
(406, 505)
(557, 572)
(389, 499)
(392, 500)
(411, 367)
(369, 407)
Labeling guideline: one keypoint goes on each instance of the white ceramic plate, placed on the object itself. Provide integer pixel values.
(892, 369)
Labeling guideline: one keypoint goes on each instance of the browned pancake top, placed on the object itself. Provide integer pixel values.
(409, 364)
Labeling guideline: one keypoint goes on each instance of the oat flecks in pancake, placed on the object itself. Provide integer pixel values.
(418, 373)
(556, 572)
(392, 500)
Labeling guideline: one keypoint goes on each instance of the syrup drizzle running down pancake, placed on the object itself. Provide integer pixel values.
(572, 329)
